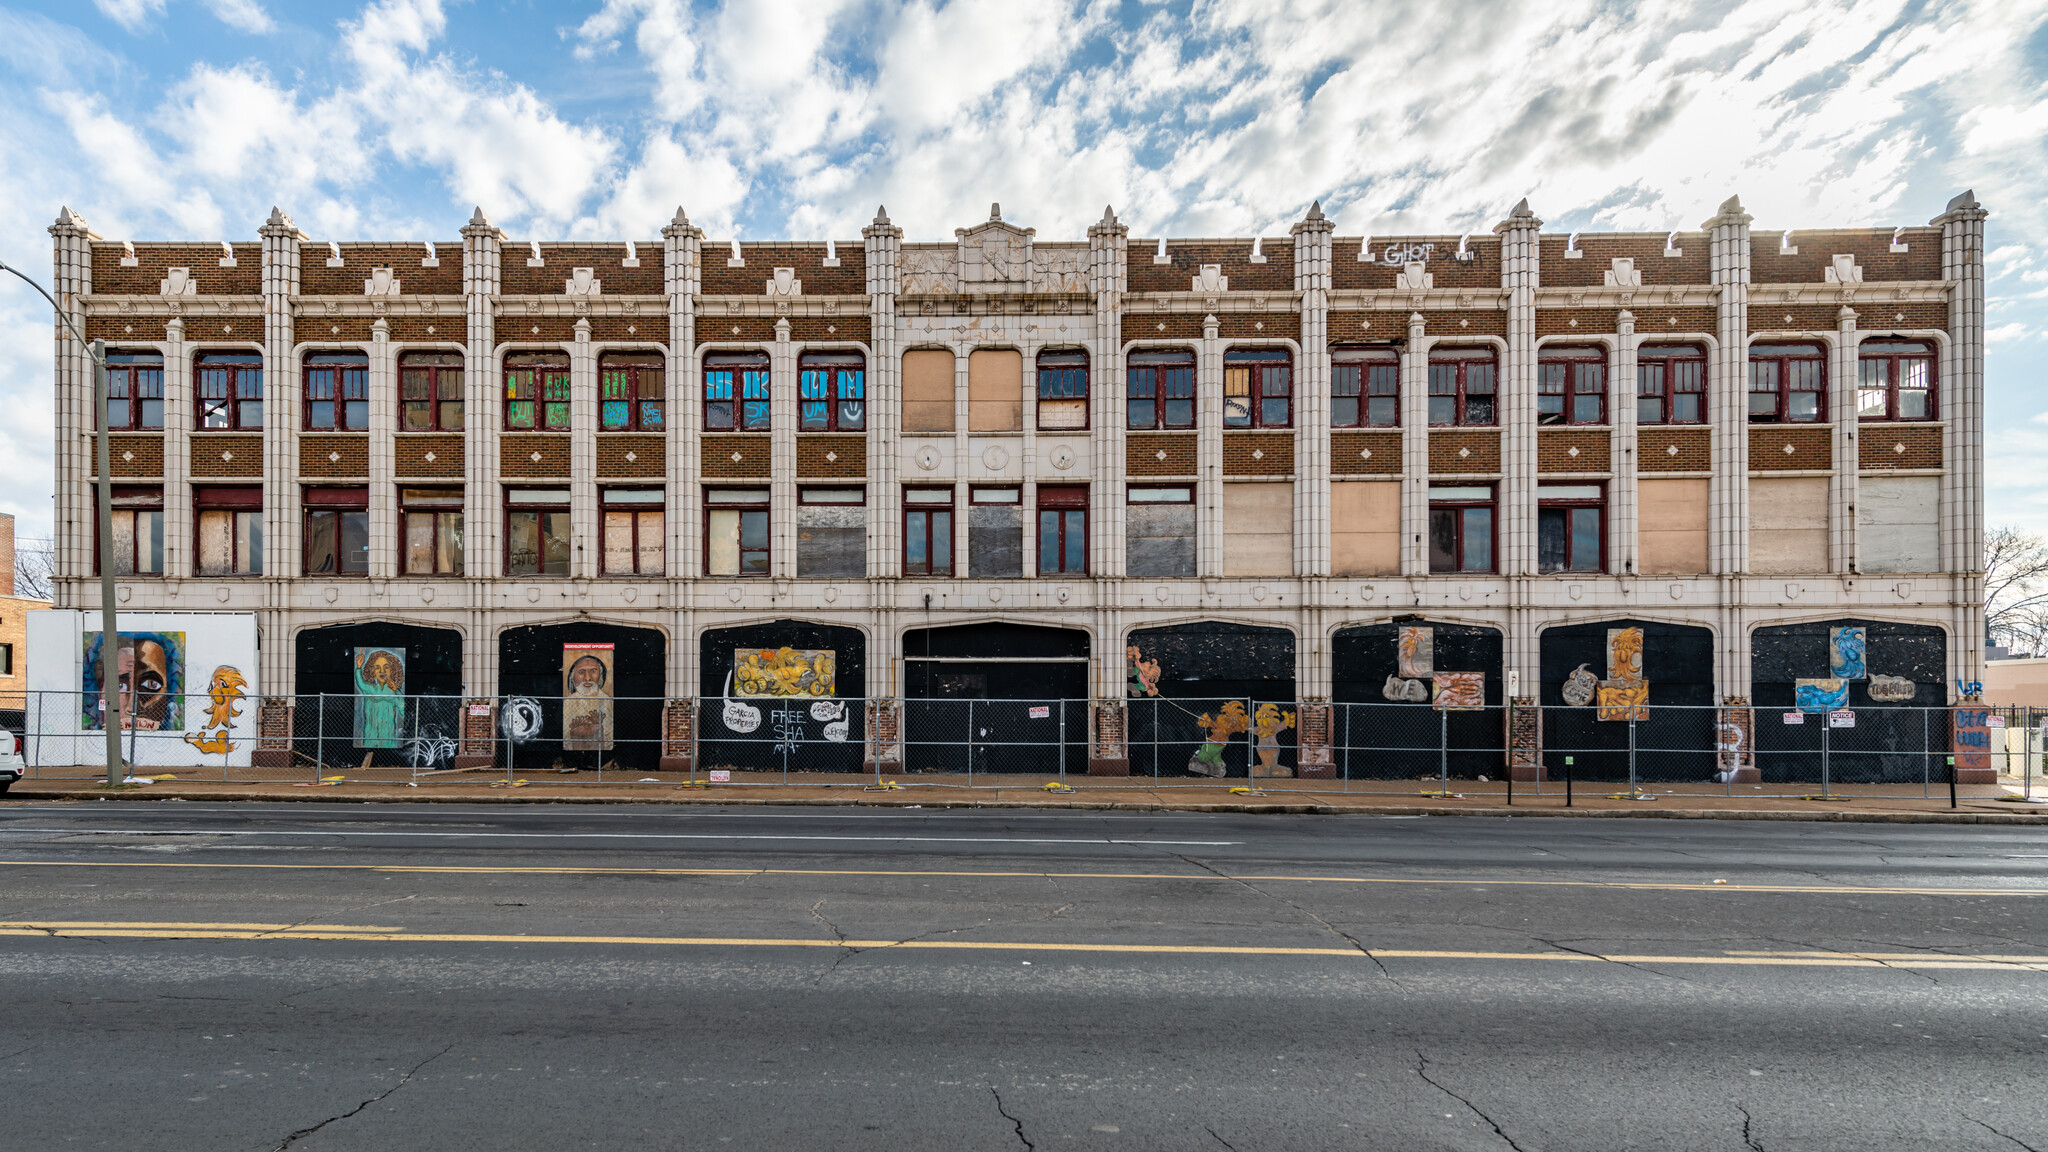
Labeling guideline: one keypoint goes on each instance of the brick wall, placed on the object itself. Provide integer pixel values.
(849, 279)
(219, 454)
(647, 451)
(1456, 451)
(527, 329)
(1870, 246)
(614, 278)
(516, 454)
(115, 329)
(1607, 321)
(1258, 453)
(849, 456)
(1445, 270)
(1188, 257)
(1571, 450)
(1691, 266)
(154, 262)
(1365, 453)
(715, 329)
(1886, 446)
(1812, 448)
(334, 456)
(1383, 325)
(1655, 444)
(1159, 454)
(412, 452)
(358, 260)
(133, 455)
(718, 453)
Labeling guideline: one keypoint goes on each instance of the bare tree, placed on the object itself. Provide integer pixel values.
(2016, 589)
(35, 569)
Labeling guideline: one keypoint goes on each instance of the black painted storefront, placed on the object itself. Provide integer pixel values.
(323, 679)
(1892, 742)
(1676, 742)
(1375, 738)
(970, 692)
(786, 733)
(530, 665)
(1202, 666)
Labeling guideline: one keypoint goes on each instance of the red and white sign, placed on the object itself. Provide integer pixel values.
(1795, 717)
(721, 776)
(479, 709)
(1994, 721)
(1041, 711)
(1841, 718)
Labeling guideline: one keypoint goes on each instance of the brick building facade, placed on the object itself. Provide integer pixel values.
(1000, 446)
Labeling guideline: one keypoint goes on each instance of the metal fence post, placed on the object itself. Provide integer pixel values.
(1062, 706)
(1633, 791)
(1926, 752)
(970, 742)
(1443, 749)
(320, 738)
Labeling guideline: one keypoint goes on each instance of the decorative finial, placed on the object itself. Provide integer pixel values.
(66, 218)
(1731, 206)
(1964, 201)
(477, 219)
(881, 215)
(682, 219)
(1315, 210)
(1108, 215)
(995, 212)
(1521, 210)
(277, 218)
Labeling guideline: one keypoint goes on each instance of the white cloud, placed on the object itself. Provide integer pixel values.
(130, 14)
(246, 15)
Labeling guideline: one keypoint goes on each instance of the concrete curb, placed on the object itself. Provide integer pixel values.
(729, 800)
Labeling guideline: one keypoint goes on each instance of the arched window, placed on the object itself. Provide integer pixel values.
(1160, 388)
(229, 390)
(1062, 390)
(630, 389)
(1671, 384)
(1365, 388)
(1463, 383)
(135, 391)
(536, 392)
(832, 392)
(1895, 380)
(430, 392)
(337, 392)
(1258, 388)
(736, 391)
(1788, 383)
(1571, 386)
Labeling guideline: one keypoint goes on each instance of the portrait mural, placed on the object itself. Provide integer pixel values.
(150, 682)
(380, 697)
(587, 697)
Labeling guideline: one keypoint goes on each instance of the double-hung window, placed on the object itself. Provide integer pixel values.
(927, 531)
(1462, 386)
(229, 390)
(337, 532)
(536, 392)
(630, 391)
(736, 391)
(1062, 390)
(1671, 384)
(832, 392)
(431, 519)
(135, 391)
(1571, 386)
(1062, 531)
(536, 532)
(1895, 380)
(1159, 389)
(1258, 388)
(736, 532)
(1461, 528)
(635, 532)
(337, 397)
(138, 515)
(1571, 522)
(1365, 388)
(1788, 384)
(430, 392)
(230, 531)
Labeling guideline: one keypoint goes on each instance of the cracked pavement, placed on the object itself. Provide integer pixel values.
(1453, 984)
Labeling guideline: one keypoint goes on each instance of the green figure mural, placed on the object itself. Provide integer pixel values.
(380, 697)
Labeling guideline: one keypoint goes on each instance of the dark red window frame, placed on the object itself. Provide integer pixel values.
(928, 525)
(540, 512)
(133, 500)
(1882, 366)
(1571, 385)
(433, 504)
(1063, 517)
(536, 391)
(227, 389)
(1159, 388)
(337, 392)
(832, 392)
(135, 389)
(1564, 510)
(758, 508)
(1268, 399)
(1461, 523)
(1365, 387)
(349, 509)
(611, 502)
(736, 386)
(239, 499)
(632, 388)
(1786, 374)
(1464, 384)
(1063, 379)
(1668, 375)
(425, 383)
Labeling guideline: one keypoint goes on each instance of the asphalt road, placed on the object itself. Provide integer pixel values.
(505, 977)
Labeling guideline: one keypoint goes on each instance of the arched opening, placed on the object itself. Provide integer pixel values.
(377, 694)
(1182, 673)
(600, 688)
(1386, 726)
(783, 695)
(1889, 677)
(1675, 731)
(995, 697)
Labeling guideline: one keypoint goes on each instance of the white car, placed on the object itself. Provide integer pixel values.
(11, 765)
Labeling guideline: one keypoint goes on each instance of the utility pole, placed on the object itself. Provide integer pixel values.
(110, 638)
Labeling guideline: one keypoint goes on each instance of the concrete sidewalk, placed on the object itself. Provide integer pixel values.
(1876, 803)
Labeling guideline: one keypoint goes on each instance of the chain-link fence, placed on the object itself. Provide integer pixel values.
(1154, 742)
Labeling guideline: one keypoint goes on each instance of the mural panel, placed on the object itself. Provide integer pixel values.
(587, 697)
(380, 697)
(149, 686)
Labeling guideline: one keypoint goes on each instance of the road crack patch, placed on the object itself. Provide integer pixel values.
(1016, 1123)
(1219, 1139)
(1608, 959)
(402, 1081)
(1422, 1070)
(1996, 1132)
(1748, 1140)
(1298, 910)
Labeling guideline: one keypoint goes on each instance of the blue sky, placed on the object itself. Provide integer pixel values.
(188, 119)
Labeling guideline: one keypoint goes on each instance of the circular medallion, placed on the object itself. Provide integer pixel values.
(994, 457)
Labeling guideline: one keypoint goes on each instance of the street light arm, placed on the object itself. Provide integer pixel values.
(58, 308)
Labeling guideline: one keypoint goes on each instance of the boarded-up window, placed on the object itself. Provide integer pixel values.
(1788, 524)
(928, 390)
(1671, 536)
(995, 532)
(831, 532)
(995, 390)
(1898, 524)
(1365, 527)
(1159, 530)
(1258, 529)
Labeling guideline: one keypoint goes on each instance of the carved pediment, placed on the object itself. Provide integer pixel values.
(1844, 270)
(995, 253)
(1212, 280)
(784, 284)
(928, 272)
(1414, 277)
(381, 283)
(1624, 274)
(177, 282)
(582, 282)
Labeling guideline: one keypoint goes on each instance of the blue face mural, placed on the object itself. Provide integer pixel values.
(1845, 653)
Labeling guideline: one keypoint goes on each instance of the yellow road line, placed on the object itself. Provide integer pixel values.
(89, 929)
(528, 870)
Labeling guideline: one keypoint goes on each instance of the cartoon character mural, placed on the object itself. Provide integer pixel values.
(1845, 653)
(1228, 721)
(587, 697)
(149, 687)
(784, 672)
(1624, 696)
(380, 697)
(1579, 687)
(1267, 723)
(1624, 653)
(1416, 653)
(225, 691)
(1144, 673)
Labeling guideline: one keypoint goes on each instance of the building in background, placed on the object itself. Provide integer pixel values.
(1001, 466)
(14, 612)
